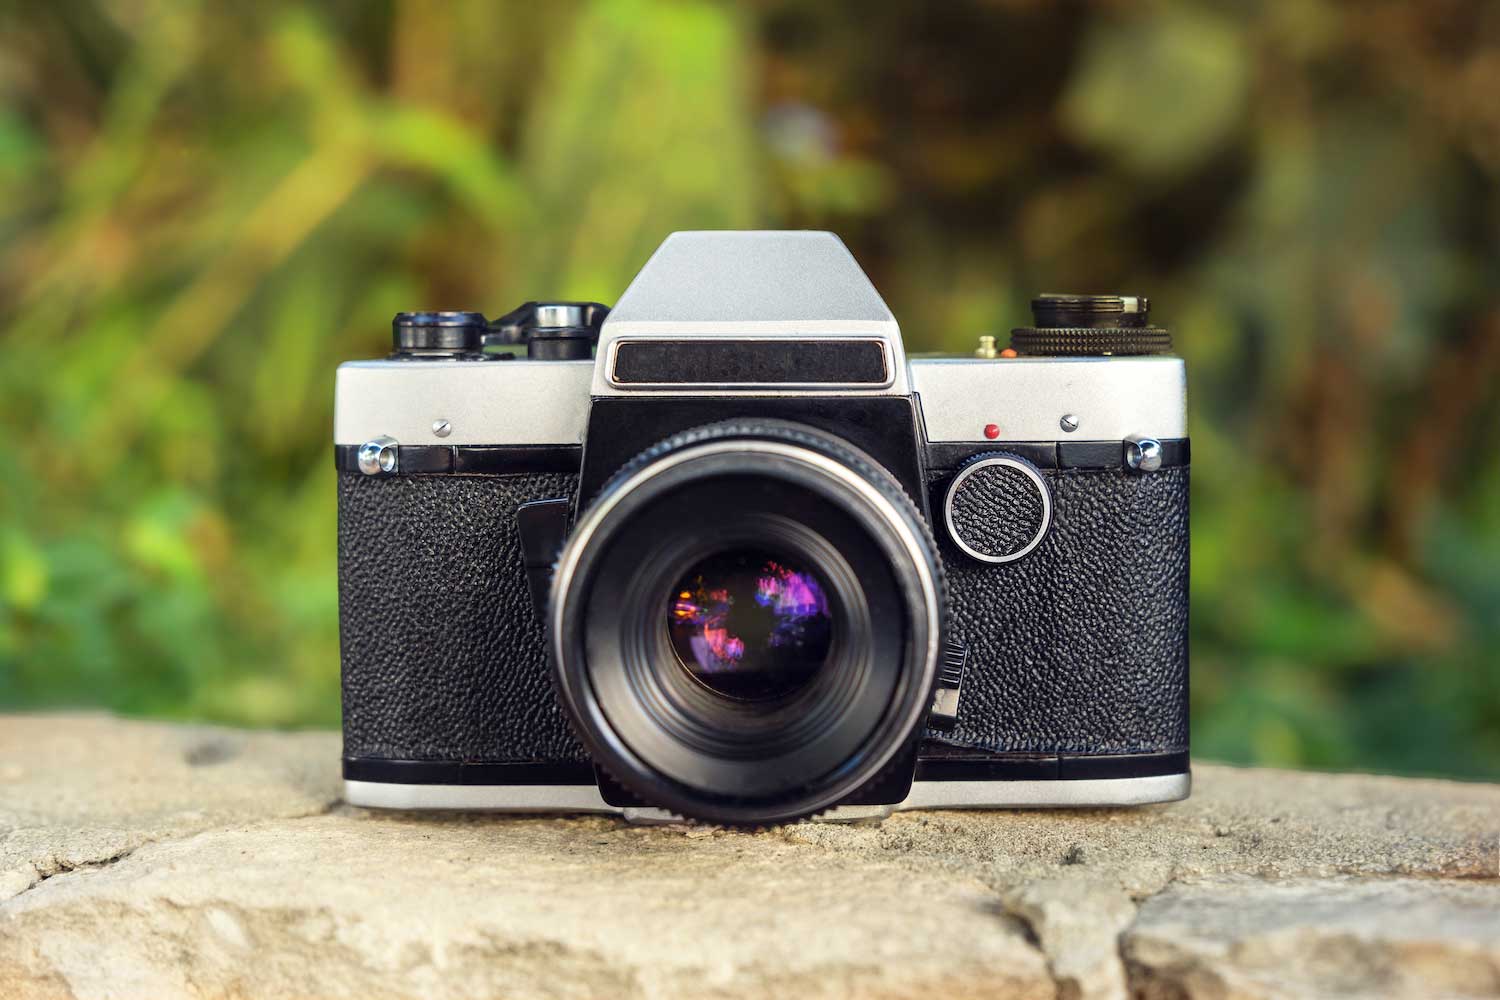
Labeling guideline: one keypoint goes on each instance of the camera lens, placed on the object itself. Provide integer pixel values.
(749, 625)
(745, 623)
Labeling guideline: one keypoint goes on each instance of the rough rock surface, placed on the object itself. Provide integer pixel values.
(150, 860)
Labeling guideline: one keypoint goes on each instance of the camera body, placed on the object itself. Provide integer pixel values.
(727, 552)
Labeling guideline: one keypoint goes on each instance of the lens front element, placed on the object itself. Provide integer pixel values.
(750, 626)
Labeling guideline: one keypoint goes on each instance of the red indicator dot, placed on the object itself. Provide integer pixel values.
(992, 431)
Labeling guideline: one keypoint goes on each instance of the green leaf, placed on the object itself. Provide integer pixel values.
(1160, 93)
(642, 128)
(23, 572)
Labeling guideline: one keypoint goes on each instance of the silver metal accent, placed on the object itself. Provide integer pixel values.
(555, 314)
(1068, 423)
(710, 388)
(485, 402)
(379, 455)
(946, 696)
(986, 348)
(787, 284)
(490, 798)
(985, 463)
(1143, 453)
(1089, 792)
(1080, 793)
(945, 702)
(910, 540)
(1111, 397)
(855, 814)
(648, 816)
(442, 428)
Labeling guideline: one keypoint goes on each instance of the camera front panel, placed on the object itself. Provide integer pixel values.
(444, 659)
(1077, 648)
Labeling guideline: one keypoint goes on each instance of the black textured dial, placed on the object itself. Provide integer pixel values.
(1090, 325)
(997, 508)
(436, 334)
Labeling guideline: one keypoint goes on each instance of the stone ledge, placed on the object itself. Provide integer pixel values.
(151, 860)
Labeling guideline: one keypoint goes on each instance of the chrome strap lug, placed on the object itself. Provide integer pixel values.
(379, 457)
(1143, 454)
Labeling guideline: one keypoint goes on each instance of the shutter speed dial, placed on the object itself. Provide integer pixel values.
(1090, 325)
(998, 507)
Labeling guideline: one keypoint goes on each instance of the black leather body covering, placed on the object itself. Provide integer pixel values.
(1079, 647)
(443, 657)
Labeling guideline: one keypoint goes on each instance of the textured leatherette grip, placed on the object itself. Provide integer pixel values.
(1081, 645)
(443, 657)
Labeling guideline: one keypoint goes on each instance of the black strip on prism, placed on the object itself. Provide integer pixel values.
(721, 361)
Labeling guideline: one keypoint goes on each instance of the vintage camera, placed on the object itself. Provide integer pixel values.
(727, 553)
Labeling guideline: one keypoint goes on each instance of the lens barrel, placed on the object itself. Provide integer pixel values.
(802, 660)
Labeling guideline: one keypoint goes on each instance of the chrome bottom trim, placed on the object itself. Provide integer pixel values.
(486, 798)
(1050, 794)
(1082, 793)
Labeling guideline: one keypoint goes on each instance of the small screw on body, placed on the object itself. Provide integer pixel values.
(986, 348)
(442, 428)
(1068, 423)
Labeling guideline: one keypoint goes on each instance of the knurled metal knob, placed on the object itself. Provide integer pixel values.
(1090, 326)
(997, 508)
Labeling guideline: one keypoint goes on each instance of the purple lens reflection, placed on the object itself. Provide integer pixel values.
(749, 625)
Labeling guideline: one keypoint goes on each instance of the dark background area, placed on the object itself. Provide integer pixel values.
(204, 208)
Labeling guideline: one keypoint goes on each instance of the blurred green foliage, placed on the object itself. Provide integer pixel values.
(204, 208)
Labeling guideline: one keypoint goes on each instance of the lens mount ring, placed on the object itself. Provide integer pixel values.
(896, 565)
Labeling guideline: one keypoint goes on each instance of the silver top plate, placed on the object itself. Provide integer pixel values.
(546, 402)
(769, 286)
(1111, 398)
(484, 402)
